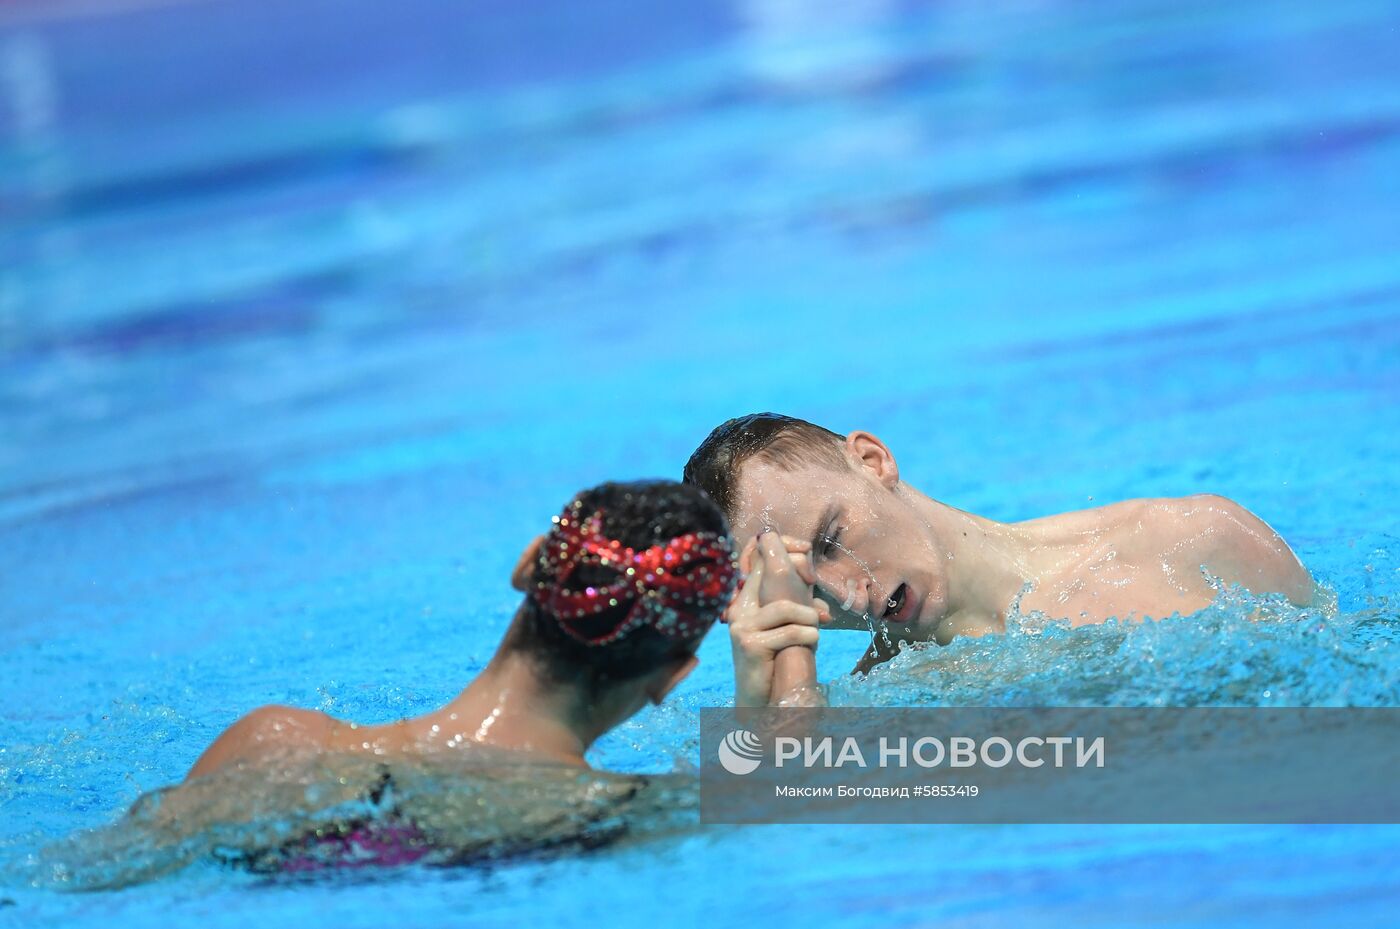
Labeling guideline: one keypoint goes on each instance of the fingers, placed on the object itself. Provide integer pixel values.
(753, 617)
(781, 580)
(775, 640)
(771, 544)
(799, 554)
(794, 547)
(802, 563)
(745, 599)
(772, 615)
(746, 556)
(758, 633)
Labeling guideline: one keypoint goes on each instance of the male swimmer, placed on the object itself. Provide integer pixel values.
(830, 511)
(618, 595)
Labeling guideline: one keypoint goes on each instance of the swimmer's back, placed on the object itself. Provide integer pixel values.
(271, 732)
(266, 732)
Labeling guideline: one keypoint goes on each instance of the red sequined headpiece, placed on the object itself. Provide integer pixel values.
(678, 605)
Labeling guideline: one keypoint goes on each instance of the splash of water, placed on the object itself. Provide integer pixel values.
(1242, 650)
(291, 817)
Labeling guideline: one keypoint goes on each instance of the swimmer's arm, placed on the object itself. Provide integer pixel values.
(1242, 549)
(265, 732)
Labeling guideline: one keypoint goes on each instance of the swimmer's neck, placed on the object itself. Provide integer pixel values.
(509, 706)
(987, 563)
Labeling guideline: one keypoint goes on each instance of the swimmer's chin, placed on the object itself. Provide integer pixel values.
(931, 621)
(937, 630)
(949, 627)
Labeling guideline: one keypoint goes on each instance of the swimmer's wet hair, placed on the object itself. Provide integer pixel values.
(638, 515)
(782, 440)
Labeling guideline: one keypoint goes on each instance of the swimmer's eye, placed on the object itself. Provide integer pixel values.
(831, 540)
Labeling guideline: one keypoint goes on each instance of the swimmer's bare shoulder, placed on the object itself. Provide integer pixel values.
(266, 732)
(1184, 534)
(1115, 521)
(1234, 545)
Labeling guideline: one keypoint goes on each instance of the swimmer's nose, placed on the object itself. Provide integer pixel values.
(849, 593)
(865, 596)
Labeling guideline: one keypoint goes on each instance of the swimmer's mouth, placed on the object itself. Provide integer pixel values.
(899, 607)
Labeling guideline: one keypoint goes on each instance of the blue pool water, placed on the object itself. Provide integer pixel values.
(310, 319)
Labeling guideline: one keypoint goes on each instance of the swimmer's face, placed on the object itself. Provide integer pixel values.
(874, 557)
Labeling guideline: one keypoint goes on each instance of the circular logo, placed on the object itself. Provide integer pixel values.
(740, 752)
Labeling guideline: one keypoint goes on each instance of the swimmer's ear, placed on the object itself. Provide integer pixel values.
(525, 567)
(870, 454)
(665, 679)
